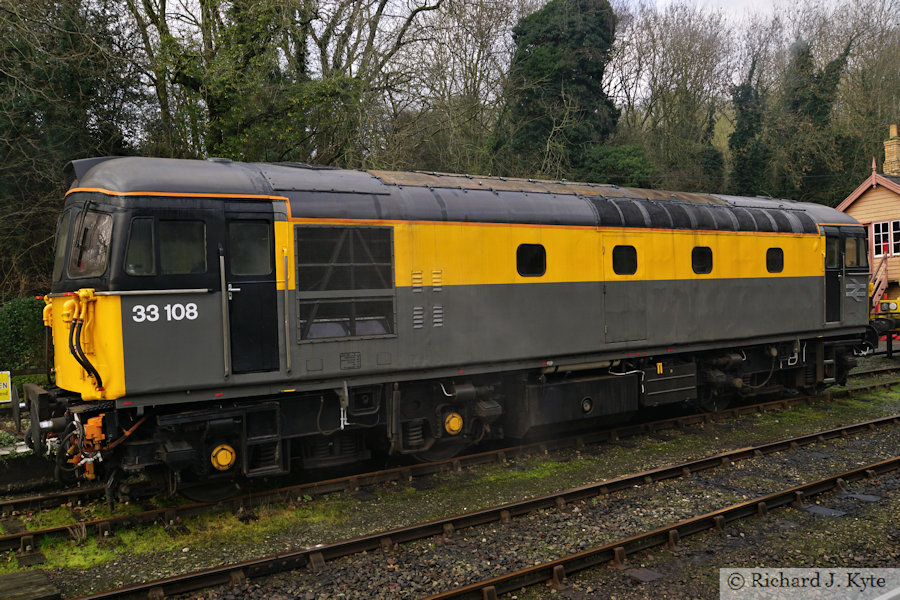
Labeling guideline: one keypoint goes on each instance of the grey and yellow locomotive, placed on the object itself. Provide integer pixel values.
(223, 320)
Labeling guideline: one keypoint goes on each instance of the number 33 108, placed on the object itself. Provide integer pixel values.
(173, 312)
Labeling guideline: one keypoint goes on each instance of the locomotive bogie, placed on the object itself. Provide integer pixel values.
(222, 320)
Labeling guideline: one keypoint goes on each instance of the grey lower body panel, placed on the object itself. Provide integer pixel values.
(491, 328)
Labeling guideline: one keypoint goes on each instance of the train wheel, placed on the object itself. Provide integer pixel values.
(210, 491)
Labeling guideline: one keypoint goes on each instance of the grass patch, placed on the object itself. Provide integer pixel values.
(55, 517)
(8, 562)
(6, 438)
(67, 553)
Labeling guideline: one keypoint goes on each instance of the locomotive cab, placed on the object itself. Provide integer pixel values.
(165, 274)
(161, 297)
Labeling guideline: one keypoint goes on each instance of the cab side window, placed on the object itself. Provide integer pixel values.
(165, 247)
(832, 252)
(182, 247)
(856, 253)
(140, 258)
(250, 245)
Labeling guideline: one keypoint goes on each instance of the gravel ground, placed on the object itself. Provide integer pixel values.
(416, 569)
(868, 536)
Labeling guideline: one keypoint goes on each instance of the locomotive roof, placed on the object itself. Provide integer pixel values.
(326, 192)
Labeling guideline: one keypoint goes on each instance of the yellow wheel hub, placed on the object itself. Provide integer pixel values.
(453, 423)
(223, 457)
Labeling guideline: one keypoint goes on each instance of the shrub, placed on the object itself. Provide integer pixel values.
(21, 334)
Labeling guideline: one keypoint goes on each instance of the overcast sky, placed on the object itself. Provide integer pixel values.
(736, 9)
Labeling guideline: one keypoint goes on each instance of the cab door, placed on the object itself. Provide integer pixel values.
(251, 291)
(834, 267)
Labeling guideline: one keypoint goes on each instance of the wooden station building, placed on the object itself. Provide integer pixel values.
(876, 204)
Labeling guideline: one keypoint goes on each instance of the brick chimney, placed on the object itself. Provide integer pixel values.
(892, 153)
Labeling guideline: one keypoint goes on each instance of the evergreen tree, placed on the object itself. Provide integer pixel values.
(748, 154)
(556, 108)
(807, 152)
(67, 91)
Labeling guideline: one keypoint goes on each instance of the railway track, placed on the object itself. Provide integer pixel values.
(24, 541)
(22, 500)
(316, 557)
(83, 495)
(555, 572)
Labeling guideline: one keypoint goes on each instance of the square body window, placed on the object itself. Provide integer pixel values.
(249, 246)
(531, 260)
(182, 247)
(624, 260)
(702, 260)
(774, 260)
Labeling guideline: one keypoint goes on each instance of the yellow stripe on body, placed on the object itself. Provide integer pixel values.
(468, 254)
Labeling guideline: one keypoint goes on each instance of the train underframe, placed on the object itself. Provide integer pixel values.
(180, 446)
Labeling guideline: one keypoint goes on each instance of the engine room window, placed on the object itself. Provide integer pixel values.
(624, 260)
(347, 318)
(702, 260)
(62, 242)
(345, 276)
(531, 260)
(182, 247)
(345, 258)
(774, 260)
(90, 245)
(250, 247)
(140, 258)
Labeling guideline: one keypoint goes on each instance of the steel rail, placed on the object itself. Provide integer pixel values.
(77, 497)
(616, 552)
(317, 556)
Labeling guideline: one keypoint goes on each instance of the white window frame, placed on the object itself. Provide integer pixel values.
(886, 233)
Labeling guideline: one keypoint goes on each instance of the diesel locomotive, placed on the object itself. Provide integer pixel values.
(217, 320)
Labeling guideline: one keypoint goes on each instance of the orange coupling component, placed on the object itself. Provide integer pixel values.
(93, 431)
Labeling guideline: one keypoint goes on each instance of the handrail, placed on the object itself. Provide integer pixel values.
(879, 278)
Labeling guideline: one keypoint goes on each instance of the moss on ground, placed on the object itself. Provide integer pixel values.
(280, 527)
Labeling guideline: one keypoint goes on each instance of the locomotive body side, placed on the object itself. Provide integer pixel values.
(220, 319)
